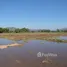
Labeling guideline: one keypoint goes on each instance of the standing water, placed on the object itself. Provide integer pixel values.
(34, 54)
(63, 37)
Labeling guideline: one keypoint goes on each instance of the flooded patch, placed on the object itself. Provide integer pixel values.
(26, 55)
(63, 37)
(6, 41)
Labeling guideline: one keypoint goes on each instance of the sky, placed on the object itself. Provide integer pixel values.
(33, 14)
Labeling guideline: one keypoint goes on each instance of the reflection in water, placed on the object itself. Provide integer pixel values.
(26, 56)
(6, 41)
(63, 37)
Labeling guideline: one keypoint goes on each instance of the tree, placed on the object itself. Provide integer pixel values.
(1, 30)
(46, 30)
(24, 30)
(58, 30)
(17, 30)
(5, 30)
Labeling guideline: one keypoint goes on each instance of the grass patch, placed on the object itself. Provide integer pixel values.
(34, 36)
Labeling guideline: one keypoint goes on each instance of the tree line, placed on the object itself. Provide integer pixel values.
(18, 30)
(13, 30)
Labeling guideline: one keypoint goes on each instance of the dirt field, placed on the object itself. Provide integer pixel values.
(23, 36)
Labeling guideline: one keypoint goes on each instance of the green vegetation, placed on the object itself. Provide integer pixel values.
(21, 30)
(13, 30)
(4, 30)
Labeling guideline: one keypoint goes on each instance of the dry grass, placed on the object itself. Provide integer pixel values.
(31, 35)
(27, 36)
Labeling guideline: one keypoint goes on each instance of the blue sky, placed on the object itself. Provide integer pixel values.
(34, 14)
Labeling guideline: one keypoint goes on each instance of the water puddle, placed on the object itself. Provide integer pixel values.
(26, 56)
(63, 37)
(5, 43)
